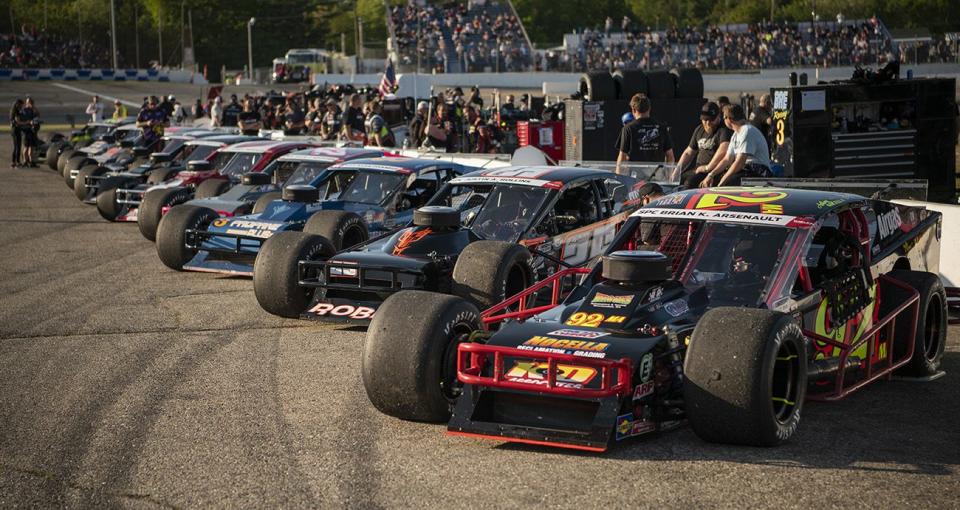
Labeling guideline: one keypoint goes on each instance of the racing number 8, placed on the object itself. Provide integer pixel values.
(780, 134)
(591, 320)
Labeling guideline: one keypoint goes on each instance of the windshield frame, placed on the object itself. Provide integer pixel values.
(401, 184)
(549, 196)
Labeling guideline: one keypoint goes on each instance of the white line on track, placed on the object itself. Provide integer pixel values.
(91, 93)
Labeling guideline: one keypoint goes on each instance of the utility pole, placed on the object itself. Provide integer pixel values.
(772, 2)
(250, 48)
(160, 35)
(113, 33)
(183, 46)
(343, 43)
(136, 33)
(79, 28)
(193, 51)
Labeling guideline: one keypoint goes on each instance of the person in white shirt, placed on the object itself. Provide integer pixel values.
(95, 110)
(216, 112)
(747, 155)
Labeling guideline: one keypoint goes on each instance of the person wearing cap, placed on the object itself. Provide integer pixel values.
(330, 123)
(644, 138)
(707, 148)
(151, 121)
(417, 128)
(747, 154)
(648, 192)
(650, 231)
(119, 110)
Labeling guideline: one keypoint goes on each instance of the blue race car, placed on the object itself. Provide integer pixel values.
(345, 204)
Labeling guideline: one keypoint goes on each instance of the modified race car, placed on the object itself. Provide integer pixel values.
(484, 236)
(723, 308)
(341, 205)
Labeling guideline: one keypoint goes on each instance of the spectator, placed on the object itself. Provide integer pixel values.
(378, 132)
(293, 118)
(249, 120)
(644, 139)
(119, 111)
(353, 120)
(747, 154)
(231, 111)
(330, 125)
(95, 110)
(16, 133)
(762, 116)
(440, 129)
(417, 128)
(216, 112)
(167, 105)
(27, 120)
(151, 121)
(198, 111)
(707, 147)
(313, 116)
(179, 114)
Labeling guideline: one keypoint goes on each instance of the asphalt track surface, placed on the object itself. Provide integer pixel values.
(126, 384)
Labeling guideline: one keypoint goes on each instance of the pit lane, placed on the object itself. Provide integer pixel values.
(125, 384)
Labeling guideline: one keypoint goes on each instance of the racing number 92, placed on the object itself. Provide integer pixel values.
(587, 320)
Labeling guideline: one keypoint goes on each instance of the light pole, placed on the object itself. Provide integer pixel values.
(113, 33)
(250, 47)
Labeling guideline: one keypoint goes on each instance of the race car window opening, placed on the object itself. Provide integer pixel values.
(368, 187)
(241, 164)
(170, 146)
(194, 153)
(502, 212)
(99, 131)
(423, 188)
(294, 172)
(221, 160)
(333, 185)
(577, 206)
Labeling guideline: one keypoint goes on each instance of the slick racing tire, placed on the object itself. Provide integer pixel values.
(75, 163)
(633, 82)
(689, 83)
(409, 357)
(661, 85)
(276, 271)
(745, 377)
(53, 154)
(930, 336)
(158, 175)
(212, 188)
(79, 187)
(107, 205)
(172, 233)
(487, 272)
(598, 86)
(264, 201)
(65, 156)
(151, 208)
(343, 229)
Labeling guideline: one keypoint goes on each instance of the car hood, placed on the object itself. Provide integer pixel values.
(409, 247)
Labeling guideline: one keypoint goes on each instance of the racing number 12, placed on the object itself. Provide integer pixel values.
(587, 320)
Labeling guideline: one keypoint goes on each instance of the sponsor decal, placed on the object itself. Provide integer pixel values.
(889, 223)
(646, 367)
(578, 333)
(523, 173)
(618, 319)
(717, 215)
(654, 294)
(781, 100)
(593, 320)
(255, 225)
(345, 311)
(826, 204)
(561, 343)
(220, 222)
(674, 199)
(627, 426)
(535, 372)
(677, 307)
(408, 238)
(720, 201)
(643, 390)
(601, 300)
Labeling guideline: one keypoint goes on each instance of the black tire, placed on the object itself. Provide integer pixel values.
(487, 272)
(598, 86)
(689, 83)
(634, 82)
(79, 185)
(662, 85)
(151, 208)
(931, 333)
(343, 229)
(264, 201)
(409, 357)
(212, 188)
(745, 376)
(276, 271)
(158, 175)
(63, 158)
(53, 154)
(171, 233)
(618, 84)
(107, 204)
(75, 163)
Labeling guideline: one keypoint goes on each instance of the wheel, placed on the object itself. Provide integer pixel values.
(264, 201)
(53, 154)
(343, 229)
(151, 208)
(107, 205)
(618, 84)
(75, 163)
(409, 357)
(745, 376)
(158, 175)
(930, 336)
(662, 85)
(276, 271)
(689, 83)
(172, 233)
(65, 156)
(598, 86)
(487, 272)
(634, 82)
(79, 187)
(211, 188)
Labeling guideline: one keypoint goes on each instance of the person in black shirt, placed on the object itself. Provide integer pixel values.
(16, 132)
(231, 111)
(644, 139)
(353, 120)
(418, 125)
(762, 116)
(249, 119)
(707, 148)
(27, 120)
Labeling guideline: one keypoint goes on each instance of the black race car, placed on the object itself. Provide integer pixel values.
(485, 235)
(724, 308)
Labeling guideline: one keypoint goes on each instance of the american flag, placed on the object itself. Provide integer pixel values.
(388, 84)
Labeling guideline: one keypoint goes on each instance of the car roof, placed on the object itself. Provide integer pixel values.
(262, 146)
(220, 140)
(760, 205)
(536, 176)
(395, 164)
(330, 154)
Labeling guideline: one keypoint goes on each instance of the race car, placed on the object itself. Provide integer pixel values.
(209, 179)
(341, 206)
(122, 202)
(723, 308)
(111, 146)
(58, 143)
(484, 236)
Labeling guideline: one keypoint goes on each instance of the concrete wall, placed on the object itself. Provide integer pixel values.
(165, 75)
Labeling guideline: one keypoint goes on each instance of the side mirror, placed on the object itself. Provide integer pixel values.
(199, 166)
(157, 157)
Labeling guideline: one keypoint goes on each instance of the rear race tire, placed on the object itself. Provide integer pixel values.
(343, 229)
(745, 377)
(212, 188)
(276, 271)
(75, 163)
(158, 175)
(599, 86)
(409, 356)
(661, 85)
(107, 205)
(80, 189)
(171, 233)
(487, 272)
(64, 157)
(151, 208)
(53, 154)
(930, 336)
(261, 204)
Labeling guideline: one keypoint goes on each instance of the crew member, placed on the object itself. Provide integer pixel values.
(119, 110)
(249, 119)
(417, 128)
(330, 124)
(151, 121)
(95, 109)
(644, 139)
(707, 148)
(378, 133)
(747, 154)
(353, 119)
(762, 116)
(231, 112)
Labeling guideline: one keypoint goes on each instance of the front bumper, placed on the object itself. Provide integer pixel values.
(219, 252)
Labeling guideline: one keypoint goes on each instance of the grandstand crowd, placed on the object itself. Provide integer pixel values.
(32, 48)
